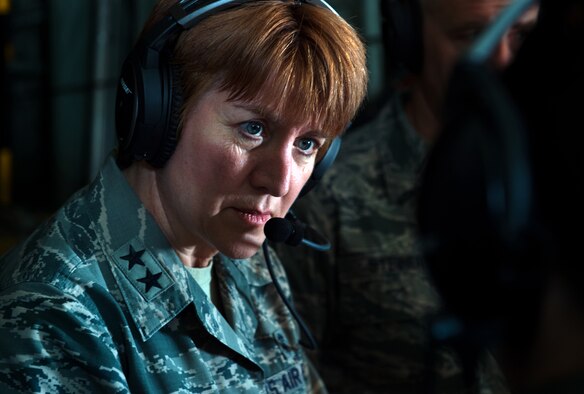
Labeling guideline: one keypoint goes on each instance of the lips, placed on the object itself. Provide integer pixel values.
(253, 216)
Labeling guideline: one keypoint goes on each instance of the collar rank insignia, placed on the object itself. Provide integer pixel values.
(133, 258)
(144, 272)
(150, 280)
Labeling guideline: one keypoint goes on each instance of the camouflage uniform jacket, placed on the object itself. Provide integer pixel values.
(368, 299)
(97, 301)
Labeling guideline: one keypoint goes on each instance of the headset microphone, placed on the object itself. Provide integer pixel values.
(293, 232)
(283, 230)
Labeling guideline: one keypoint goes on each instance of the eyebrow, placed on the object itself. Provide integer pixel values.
(474, 24)
(254, 108)
(480, 25)
(528, 19)
(525, 24)
(264, 112)
(269, 116)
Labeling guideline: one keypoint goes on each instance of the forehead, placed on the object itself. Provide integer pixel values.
(452, 13)
(278, 109)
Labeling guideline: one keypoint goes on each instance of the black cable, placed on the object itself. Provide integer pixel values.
(310, 235)
(303, 327)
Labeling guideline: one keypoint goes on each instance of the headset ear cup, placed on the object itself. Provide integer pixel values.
(170, 134)
(402, 33)
(322, 166)
(127, 107)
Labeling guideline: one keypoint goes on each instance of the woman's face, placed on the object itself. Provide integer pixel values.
(237, 165)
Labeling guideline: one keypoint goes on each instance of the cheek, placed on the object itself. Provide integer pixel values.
(440, 52)
(439, 63)
(215, 164)
(297, 183)
(304, 176)
(221, 169)
(439, 60)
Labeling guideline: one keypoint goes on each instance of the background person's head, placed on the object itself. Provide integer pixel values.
(445, 30)
(450, 28)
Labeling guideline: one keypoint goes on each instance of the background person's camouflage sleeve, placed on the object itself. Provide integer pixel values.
(97, 301)
(368, 299)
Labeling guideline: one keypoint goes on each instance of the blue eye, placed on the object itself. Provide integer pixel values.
(253, 128)
(305, 144)
(308, 146)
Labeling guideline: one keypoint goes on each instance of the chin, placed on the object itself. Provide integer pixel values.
(244, 249)
(242, 254)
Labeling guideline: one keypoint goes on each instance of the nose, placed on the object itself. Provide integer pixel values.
(273, 171)
(503, 53)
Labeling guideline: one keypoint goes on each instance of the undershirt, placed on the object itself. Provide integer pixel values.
(203, 276)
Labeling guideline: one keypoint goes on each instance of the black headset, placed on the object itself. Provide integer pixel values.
(477, 212)
(401, 27)
(149, 94)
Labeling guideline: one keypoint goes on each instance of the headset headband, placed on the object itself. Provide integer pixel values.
(186, 14)
(149, 96)
(484, 45)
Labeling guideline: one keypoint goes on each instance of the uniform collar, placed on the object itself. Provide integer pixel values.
(151, 278)
(154, 283)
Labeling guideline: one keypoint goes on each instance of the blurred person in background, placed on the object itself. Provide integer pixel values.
(369, 299)
(500, 207)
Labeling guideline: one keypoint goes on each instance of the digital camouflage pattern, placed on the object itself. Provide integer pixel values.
(368, 300)
(97, 301)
